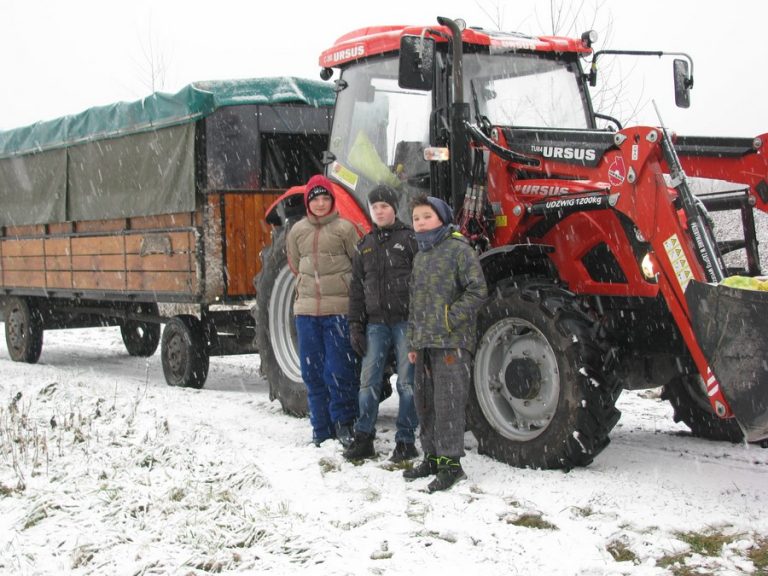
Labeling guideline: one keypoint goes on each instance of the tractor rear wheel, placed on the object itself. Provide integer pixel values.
(688, 398)
(540, 399)
(276, 332)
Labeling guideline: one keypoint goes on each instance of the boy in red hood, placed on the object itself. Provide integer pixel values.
(320, 248)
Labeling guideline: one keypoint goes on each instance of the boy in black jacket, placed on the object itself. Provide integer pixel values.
(378, 320)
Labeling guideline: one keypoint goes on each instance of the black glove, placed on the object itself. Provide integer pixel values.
(358, 340)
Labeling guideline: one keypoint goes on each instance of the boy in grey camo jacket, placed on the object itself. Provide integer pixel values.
(447, 289)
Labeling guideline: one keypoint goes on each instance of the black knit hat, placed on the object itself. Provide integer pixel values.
(383, 193)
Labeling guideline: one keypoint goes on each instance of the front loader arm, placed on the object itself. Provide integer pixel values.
(738, 160)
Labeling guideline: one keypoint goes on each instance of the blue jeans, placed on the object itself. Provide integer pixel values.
(381, 339)
(329, 368)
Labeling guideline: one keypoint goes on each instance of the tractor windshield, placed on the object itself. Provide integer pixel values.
(519, 89)
(379, 132)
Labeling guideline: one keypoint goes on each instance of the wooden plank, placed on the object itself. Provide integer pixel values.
(179, 220)
(57, 246)
(31, 247)
(24, 263)
(24, 279)
(181, 242)
(159, 262)
(233, 221)
(61, 228)
(100, 281)
(114, 225)
(179, 282)
(60, 279)
(58, 263)
(97, 245)
(28, 230)
(98, 263)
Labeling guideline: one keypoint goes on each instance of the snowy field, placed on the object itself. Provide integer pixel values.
(106, 470)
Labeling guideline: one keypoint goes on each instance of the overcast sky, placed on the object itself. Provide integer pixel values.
(61, 57)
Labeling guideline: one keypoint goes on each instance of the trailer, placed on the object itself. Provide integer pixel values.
(108, 216)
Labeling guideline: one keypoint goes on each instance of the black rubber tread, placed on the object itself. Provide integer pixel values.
(141, 338)
(692, 408)
(586, 411)
(292, 395)
(23, 330)
(184, 335)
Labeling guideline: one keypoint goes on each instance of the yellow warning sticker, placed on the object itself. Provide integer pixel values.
(501, 220)
(679, 261)
(344, 175)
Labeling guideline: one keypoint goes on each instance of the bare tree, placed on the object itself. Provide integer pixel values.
(572, 18)
(152, 66)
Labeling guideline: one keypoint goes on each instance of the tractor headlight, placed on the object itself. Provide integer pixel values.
(649, 270)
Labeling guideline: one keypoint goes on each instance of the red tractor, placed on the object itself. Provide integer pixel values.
(602, 265)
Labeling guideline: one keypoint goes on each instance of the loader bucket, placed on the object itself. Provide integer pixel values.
(731, 325)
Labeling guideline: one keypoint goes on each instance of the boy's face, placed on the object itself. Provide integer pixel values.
(321, 205)
(425, 219)
(382, 214)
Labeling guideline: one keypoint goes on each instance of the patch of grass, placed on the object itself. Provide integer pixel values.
(759, 555)
(584, 512)
(706, 544)
(530, 520)
(328, 465)
(702, 543)
(674, 562)
(621, 552)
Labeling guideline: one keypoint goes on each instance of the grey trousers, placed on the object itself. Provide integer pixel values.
(441, 388)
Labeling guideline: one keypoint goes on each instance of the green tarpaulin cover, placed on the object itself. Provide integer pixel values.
(161, 110)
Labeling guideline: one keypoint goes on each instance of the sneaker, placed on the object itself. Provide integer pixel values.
(403, 451)
(344, 434)
(425, 468)
(361, 447)
(449, 472)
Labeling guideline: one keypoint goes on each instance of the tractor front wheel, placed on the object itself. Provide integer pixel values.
(688, 397)
(539, 398)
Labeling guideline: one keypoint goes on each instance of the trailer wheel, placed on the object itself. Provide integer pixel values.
(184, 353)
(275, 330)
(688, 398)
(23, 330)
(540, 399)
(141, 338)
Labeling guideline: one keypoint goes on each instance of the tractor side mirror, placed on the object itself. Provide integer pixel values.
(417, 63)
(683, 83)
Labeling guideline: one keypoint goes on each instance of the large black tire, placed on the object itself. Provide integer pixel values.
(540, 398)
(23, 330)
(141, 338)
(184, 352)
(275, 328)
(688, 398)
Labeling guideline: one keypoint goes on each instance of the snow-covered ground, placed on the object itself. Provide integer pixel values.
(106, 470)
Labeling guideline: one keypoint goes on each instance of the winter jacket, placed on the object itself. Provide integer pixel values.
(381, 271)
(447, 289)
(320, 252)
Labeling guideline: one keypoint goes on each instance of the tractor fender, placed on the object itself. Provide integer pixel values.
(518, 260)
(290, 206)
